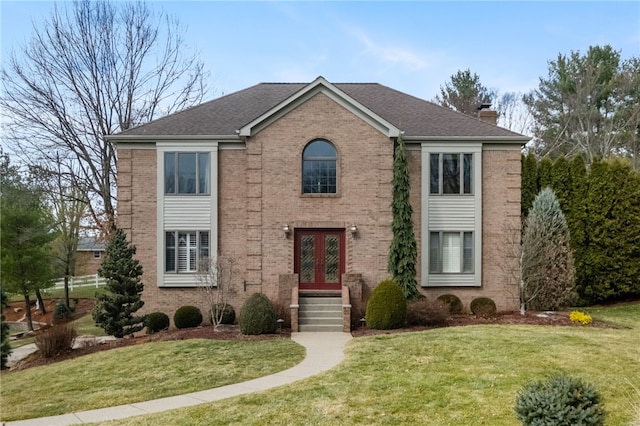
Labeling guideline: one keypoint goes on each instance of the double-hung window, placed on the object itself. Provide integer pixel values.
(451, 173)
(451, 252)
(185, 251)
(187, 173)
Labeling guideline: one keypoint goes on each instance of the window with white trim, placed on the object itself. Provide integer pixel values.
(184, 250)
(187, 173)
(450, 173)
(451, 252)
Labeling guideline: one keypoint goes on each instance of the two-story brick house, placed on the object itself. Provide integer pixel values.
(294, 182)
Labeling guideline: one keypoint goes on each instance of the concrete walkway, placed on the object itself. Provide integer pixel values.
(324, 351)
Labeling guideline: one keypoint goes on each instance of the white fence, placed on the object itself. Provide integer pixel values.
(82, 281)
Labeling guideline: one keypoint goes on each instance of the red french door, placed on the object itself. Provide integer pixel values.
(319, 258)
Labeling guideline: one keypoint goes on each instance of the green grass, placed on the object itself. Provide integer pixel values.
(140, 373)
(449, 376)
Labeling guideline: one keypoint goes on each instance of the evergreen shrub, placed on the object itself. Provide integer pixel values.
(387, 307)
(156, 321)
(427, 312)
(559, 401)
(61, 312)
(228, 313)
(454, 302)
(483, 307)
(187, 317)
(257, 315)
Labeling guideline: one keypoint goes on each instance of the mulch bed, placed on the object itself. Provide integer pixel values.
(84, 307)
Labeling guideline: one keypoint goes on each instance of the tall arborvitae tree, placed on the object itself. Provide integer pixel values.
(544, 173)
(403, 253)
(529, 182)
(5, 347)
(115, 308)
(577, 216)
(611, 259)
(548, 274)
(561, 183)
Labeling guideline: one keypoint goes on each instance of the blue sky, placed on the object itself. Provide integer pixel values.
(410, 46)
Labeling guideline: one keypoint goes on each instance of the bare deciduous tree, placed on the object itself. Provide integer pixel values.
(216, 285)
(95, 68)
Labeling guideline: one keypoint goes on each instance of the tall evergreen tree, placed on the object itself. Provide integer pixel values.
(561, 183)
(577, 216)
(403, 253)
(544, 173)
(611, 262)
(464, 93)
(529, 182)
(27, 229)
(548, 274)
(115, 309)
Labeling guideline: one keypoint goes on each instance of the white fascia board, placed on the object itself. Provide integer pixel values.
(484, 139)
(121, 139)
(319, 85)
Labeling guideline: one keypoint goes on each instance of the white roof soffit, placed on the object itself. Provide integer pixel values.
(319, 85)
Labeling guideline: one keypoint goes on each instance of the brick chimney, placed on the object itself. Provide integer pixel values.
(486, 114)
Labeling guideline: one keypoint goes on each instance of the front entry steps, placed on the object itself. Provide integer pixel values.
(320, 313)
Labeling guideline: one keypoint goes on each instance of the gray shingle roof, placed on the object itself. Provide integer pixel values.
(90, 244)
(225, 115)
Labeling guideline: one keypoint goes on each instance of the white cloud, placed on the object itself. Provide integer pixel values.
(391, 55)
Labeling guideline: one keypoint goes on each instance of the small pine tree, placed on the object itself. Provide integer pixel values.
(5, 347)
(115, 308)
(403, 253)
(548, 274)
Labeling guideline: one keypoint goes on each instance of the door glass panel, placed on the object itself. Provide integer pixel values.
(307, 258)
(332, 259)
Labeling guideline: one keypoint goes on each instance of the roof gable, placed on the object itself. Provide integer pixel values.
(319, 85)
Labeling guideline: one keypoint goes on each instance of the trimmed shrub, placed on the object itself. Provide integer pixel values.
(427, 312)
(61, 313)
(57, 340)
(228, 313)
(257, 316)
(559, 401)
(387, 307)
(454, 302)
(483, 307)
(187, 317)
(156, 321)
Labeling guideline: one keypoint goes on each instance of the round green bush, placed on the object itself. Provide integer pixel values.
(387, 307)
(559, 401)
(483, 307)
(156, 321)
(257, 316)
(454, 302)
(61, 312)
(228, 313)
(187, 317)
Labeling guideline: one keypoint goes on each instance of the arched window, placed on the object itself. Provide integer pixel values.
(319, 168)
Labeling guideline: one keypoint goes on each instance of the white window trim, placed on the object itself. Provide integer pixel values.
(472, 222)
(204, 203)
